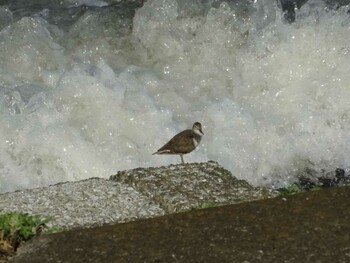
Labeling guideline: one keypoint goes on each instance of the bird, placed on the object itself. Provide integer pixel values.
(183, 142)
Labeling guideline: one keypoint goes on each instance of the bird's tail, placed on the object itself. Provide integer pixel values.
(162, 152)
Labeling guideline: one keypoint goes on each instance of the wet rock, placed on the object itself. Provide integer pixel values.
(330, 179)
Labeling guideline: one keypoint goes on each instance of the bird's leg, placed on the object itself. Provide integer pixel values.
(182, 159)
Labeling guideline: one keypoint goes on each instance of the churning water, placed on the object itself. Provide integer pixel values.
(87, 90)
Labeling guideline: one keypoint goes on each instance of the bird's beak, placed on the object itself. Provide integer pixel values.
(201, 131)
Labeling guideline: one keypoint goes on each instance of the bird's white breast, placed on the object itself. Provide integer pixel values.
(195, 142)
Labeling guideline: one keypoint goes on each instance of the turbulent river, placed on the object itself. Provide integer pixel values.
(91, 87)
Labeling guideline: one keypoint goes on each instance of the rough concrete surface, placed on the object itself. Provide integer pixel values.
(193, 185)
(133, 194)
(85, 203)
(309, 227)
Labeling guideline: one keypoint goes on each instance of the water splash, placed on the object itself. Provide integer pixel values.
(102, 93)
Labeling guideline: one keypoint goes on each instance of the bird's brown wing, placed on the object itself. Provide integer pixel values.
(181, 143)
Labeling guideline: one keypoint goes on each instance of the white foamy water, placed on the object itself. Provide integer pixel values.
(95, 97)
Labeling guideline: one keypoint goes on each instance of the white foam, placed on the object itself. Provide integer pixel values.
(98, 3)
(83, 103)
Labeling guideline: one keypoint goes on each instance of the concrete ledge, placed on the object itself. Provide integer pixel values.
(84, 203)
(191, 186)
(133, 194)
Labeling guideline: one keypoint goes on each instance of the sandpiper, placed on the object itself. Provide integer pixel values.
(183, 142)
